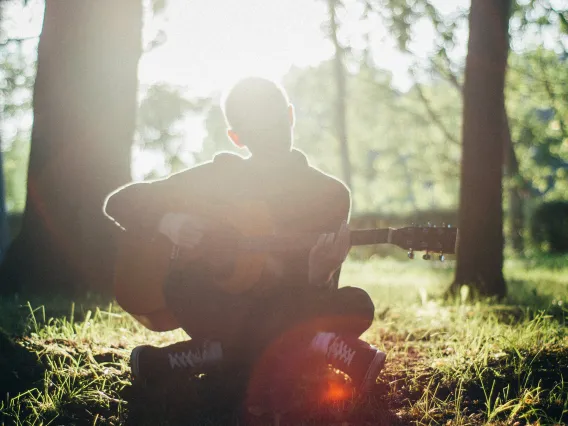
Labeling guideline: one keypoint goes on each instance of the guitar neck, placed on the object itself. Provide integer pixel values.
(439, 240)
(290, 242)
(362, 237)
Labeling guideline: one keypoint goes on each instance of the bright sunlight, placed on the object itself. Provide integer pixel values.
(212, 44)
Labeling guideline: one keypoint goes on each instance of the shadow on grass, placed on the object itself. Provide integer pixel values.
(221, 398)
(20, 368)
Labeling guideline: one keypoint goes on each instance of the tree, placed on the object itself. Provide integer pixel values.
(480, 250)
(4, 234)
(340, 98)
(84, 119)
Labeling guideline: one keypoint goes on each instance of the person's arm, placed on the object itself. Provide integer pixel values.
(331, 249)
(344, 214)
(139, 207)
(327, 256)
(163, 207)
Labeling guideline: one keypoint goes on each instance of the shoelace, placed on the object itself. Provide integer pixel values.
(340, 350)
(195, 358)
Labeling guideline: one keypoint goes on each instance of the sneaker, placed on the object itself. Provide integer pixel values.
(152, 363)
(354, 357)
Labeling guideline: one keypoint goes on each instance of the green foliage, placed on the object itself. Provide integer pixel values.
(401, 160)
(535, 100)
(17, 74)
(158, 6)
(541, 14)
(160, 125)
(549, 226)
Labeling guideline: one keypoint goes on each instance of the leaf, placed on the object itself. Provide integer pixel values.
(158, 6)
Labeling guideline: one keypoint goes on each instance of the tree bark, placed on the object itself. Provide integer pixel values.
(340, 113)
(4, 231)
(84, 120)
(480, 250)
(514, 199)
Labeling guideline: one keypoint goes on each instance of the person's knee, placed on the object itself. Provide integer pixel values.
(359, 303)
(171, 293)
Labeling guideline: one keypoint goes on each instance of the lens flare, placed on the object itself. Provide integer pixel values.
(336, 392)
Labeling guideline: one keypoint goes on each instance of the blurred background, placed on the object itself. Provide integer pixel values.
(400, 68)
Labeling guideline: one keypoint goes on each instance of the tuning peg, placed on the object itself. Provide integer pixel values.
(411, 254)
(426, 256)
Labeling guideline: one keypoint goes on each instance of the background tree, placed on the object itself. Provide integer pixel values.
(162, 113)
(480, 251)
(4, 234)
(84, 119)
(341, 92)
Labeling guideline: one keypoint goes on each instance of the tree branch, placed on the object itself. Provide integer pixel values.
(433, 115)
(447, 73)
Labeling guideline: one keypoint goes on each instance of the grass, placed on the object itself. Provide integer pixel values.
(449, 363)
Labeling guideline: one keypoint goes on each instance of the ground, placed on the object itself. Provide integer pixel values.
(459, 362)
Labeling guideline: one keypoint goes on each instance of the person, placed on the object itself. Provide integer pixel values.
(299, 288)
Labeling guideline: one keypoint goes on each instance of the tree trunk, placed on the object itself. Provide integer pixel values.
(480, 251)
(4, 231)
(84, 119)
(340, 114)
(514, 199)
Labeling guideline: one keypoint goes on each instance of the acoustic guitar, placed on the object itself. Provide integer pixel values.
(240, 240)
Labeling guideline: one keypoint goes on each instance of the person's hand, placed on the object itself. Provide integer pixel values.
(328, 254)
(182, 229)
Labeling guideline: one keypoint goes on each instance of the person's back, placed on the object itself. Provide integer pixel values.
(300, 286)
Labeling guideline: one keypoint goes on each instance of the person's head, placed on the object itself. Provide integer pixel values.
(259, 116)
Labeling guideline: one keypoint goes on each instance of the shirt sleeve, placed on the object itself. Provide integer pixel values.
(138, 207)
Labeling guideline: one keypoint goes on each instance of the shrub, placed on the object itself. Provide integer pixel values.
(549, 226)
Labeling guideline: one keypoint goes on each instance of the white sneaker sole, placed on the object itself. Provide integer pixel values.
(134, 361)
(377, 364)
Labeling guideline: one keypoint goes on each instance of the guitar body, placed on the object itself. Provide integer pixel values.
(226, 256)
(143, 266)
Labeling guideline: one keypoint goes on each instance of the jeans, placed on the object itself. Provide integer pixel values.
(246, 324)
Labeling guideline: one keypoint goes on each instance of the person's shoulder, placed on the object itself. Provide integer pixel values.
(329, 182)
(221, 160)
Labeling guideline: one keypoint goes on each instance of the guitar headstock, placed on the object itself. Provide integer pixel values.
(431, 239)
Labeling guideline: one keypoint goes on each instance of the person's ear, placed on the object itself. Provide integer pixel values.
(234, 138)
(291, 115)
